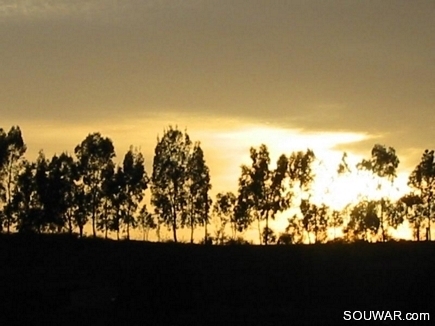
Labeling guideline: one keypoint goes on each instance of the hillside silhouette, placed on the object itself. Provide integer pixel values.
(49, 279)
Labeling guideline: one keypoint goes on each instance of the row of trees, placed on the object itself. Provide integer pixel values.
(65, 193)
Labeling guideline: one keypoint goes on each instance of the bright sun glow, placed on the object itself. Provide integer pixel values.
(226, 145)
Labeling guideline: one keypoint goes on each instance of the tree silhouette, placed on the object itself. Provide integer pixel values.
(244, 203)
(294, 231)
(169, 178)
(383, 163)
(198, 182)
(265, 187)
(136, 182)
(109, 191)
(335, 221)
(315, 220)
(12, 149)
(223, 208)
(364, 222)
(146, 221)
(94, 154)
(422, 179)
(62, 173)
(23, 207)
(414, 212)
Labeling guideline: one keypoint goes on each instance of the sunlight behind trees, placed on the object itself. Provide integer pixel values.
(337, 186)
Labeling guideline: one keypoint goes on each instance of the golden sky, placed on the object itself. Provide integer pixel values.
(332, 75)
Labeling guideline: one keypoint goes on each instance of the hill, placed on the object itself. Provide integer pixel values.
(67, 281)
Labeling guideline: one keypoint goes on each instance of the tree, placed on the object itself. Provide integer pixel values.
(116, 196)
(414, 212)
(169, 178)
(223, 208)
(300, 172)
(364, 222)
(335, 221)
(94, 154)
(12, 149)
(136, 182)
(62, 174)
(294, 231)
(301, 177)
(383, 164)
(146, 222)
(264, 187)
(23, 207)
(422, 179)
(109, 191)
(199, 201)
(315, 220)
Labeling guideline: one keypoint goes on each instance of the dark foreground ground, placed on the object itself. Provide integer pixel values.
(62, 281)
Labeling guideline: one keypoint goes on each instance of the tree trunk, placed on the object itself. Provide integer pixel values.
(191, 233)
(69, 224)
(174, 226)
(382, 220)
(429, 218)
(205, 232)
(266, 238)
(259, 228)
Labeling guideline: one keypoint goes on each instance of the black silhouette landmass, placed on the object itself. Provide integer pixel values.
(61, 280)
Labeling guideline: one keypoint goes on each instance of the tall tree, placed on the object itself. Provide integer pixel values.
(422, 179)
(12, 149)
(199, 185)
(109, 190)
(94, 153)
(315, 220)
(169, 178)
(62, 174)
(223, 209)
(24, 206)
(364, 222)
(414, 212)
(383, 164)
(265, 187)
(146, 222)
(136, 182)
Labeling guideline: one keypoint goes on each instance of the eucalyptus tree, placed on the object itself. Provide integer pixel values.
(109, 190)
(23, 207)
(300, 172)
(79, 211)
(198, 198)
(301, 177)
(294, 231)
(422, 179)
(136, 182)
(315, 220)
(364, 222)
(94, 154)
(335, 221)
(62, 175)
(223, 209)
(414, 212)
(383, 163)
(243, 215)
(265, 187)
(169, 178)
(116, 196)
(12, 149)
(146, 221)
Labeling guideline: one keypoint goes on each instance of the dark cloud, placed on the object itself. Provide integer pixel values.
(318, 65)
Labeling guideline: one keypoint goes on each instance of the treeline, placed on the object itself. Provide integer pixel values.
(64, 193)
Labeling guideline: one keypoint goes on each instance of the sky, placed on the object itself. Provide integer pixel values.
(332, 75)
